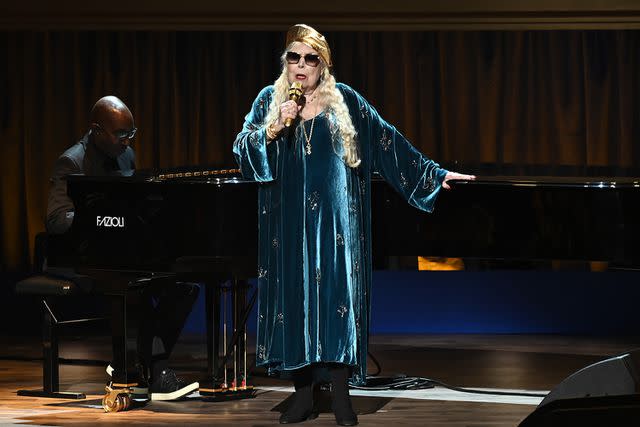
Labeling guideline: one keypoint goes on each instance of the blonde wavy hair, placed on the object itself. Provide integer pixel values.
(331, 97)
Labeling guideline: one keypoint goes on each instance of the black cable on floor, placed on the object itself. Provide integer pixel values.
(421, 383)
(499, 393)
(402, 382)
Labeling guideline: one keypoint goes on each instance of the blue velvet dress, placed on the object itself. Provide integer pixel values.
(314, 272)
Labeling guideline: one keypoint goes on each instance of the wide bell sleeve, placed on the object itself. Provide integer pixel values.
(254, 156)
(412, 174)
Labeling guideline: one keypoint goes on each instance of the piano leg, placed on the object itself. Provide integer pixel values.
(238, 346)
(212, 304)
(124, 341)
(240, 329)
(213, 383)
(126, 375)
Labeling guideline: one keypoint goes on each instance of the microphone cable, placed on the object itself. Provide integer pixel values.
(403, 382)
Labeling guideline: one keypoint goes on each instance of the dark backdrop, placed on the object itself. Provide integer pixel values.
(491, 102)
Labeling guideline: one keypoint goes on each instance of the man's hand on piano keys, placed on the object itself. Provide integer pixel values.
(456, 176)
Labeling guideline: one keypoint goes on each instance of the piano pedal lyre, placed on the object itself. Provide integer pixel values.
(236, 387)
(116, 399)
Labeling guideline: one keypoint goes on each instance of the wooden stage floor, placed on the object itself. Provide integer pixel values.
(505, 362)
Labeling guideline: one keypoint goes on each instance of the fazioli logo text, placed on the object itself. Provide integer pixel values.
(110, 221)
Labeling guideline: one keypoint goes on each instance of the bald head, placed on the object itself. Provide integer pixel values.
(110, 120)
(109, 108)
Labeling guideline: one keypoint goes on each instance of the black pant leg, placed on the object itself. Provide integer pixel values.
(173, 306)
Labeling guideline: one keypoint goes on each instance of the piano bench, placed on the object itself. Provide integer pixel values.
(53, 287)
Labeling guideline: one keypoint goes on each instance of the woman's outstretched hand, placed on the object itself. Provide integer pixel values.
(456, 175)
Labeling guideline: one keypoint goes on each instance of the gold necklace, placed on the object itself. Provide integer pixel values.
(308, 138)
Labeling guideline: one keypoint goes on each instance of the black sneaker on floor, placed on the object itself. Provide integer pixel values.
(168, 386)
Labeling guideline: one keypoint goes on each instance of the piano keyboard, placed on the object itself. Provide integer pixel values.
(196, 174)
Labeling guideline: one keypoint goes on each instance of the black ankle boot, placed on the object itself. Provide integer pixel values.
(301, 408)
(341, 402)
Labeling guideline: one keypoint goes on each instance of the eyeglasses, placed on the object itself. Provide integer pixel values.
(122, 134)
(310, 59)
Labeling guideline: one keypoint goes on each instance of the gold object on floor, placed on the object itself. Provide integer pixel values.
(116, 399)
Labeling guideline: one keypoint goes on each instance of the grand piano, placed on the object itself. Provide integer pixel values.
(156, 223)
(203, 227)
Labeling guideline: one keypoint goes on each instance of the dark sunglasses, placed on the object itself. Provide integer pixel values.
(310, 59)
(122, 134)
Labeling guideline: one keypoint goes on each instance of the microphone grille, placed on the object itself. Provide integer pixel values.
(295, 91)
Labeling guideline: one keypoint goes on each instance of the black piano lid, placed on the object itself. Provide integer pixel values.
(553, 181)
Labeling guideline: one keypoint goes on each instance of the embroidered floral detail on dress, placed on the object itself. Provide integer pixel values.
(356, 266)
(264, 210)
(353, 207)
(262, 273)
(403, 180)
(385, 140)
(280, 318)
(275, 242)
(313, 200)
(262, 352)
(364, 112)
(363, 186)
(319, 349)
(414, 163)
(253, 139)
(339, 240)
(261, 318)
(342, 310)
(429, 184)
(333, 129)
(318, 275)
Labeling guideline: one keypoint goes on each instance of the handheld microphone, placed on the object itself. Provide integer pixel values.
(295, 92)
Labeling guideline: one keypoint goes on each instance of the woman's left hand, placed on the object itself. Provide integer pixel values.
(456, 175)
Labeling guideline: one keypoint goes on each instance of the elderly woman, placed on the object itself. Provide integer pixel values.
(314, 270)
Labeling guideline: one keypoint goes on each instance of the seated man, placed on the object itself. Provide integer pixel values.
(105, 151)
